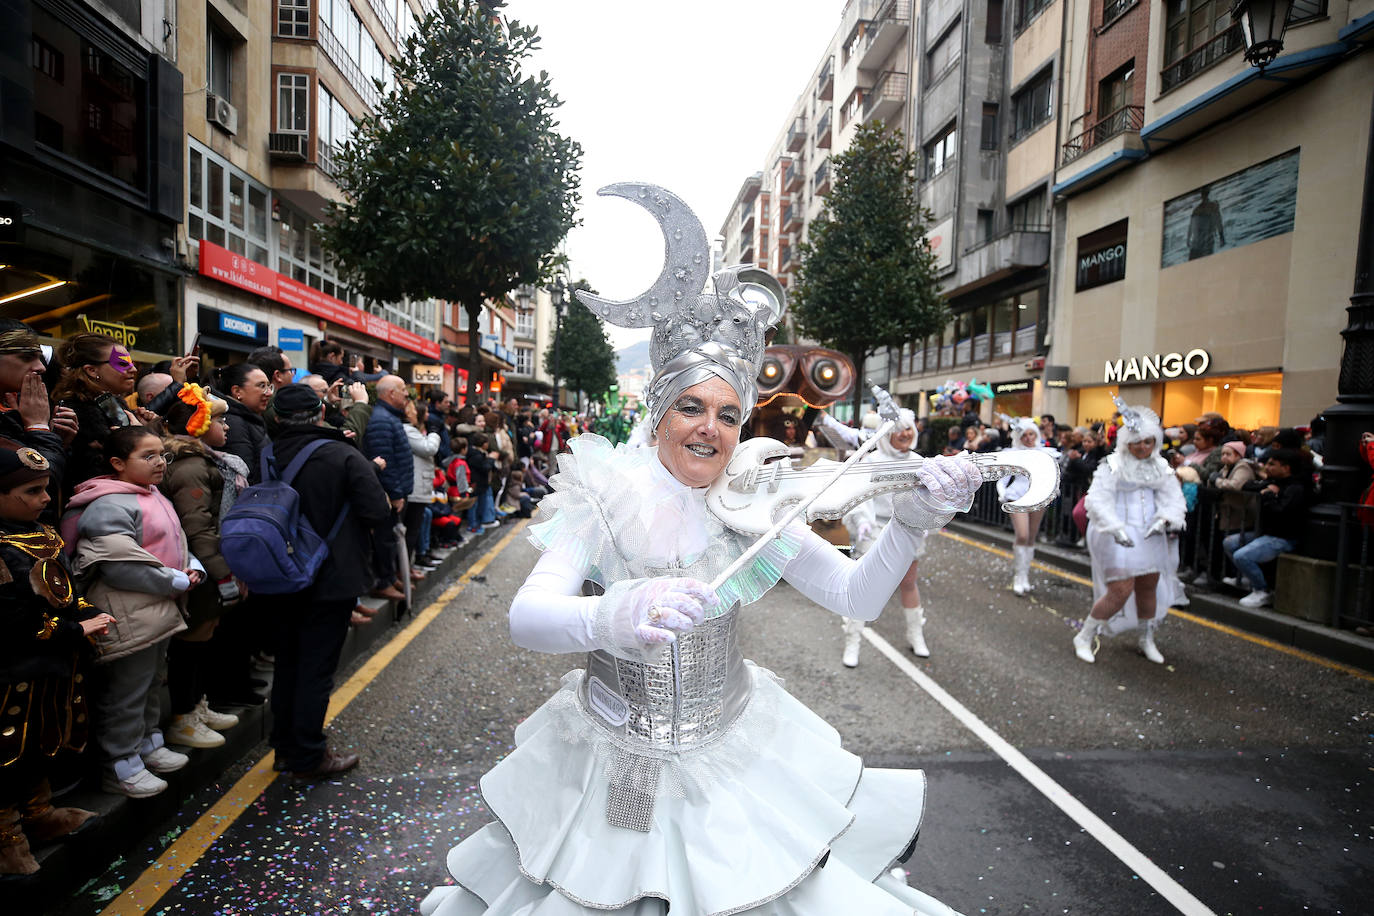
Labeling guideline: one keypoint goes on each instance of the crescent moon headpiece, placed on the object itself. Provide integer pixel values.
(700, 331)
(1137, 423)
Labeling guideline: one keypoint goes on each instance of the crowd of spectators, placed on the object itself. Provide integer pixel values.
(129, 633)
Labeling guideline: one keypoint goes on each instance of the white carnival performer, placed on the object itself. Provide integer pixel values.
(1025, 434)
(869, 518)
(670, 774)
(1133, 502)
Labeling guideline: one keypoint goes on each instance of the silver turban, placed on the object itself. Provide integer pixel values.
(694, 366)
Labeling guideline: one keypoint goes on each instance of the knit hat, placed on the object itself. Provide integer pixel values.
(1235, 446)
(296, 399)
(20, 464)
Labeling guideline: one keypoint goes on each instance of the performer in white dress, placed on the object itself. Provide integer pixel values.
(869, 518)
(1025, 434)
(1133, 502)
(671, 774)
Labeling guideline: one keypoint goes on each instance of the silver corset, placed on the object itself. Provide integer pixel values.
(692, 695)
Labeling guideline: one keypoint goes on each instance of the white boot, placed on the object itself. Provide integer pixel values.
(1147, 641)
(853, 634)
(1020, 582)
(1083, 642)
(915, 622)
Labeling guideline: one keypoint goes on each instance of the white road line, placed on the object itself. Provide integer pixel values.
(1116, 844)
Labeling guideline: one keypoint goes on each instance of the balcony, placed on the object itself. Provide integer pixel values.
(1129, 118)
(1201, 58)
(820, 181)
(884, 33)
(787, 258)
(796, 134)
(338, 56)
(746, 251)
(746, 223)
(825, 83)
(792, 177)
(886, 98)
(287, 146)
(1001, 257)
(823, 130)
(792, 217)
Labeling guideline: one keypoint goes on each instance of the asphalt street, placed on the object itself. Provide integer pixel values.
(1241, 771)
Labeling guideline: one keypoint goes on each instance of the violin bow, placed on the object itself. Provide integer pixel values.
(887, 409)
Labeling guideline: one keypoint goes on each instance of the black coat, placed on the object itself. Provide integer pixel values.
(335, 474)
(246, 437)
(96, 419)
(46, 443)
(23, 653)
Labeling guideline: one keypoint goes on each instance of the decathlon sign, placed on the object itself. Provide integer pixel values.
(1160, 365)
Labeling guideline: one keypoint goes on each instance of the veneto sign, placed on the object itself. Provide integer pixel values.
(1158, 365)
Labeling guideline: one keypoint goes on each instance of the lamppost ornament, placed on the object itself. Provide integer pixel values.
(1263, 23)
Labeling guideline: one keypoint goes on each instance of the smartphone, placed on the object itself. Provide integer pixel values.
(195, 346)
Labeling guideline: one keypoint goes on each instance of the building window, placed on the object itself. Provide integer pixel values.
(293, 103)
(524, 361)
(1115, 92)
(1027, 10)
(220, 63)
(994, 26)
(462, 318)
(1190, 24)
(524, 323)
(986, 220)
(293, 18)
(1101, 257)
(1028, 214)
(945, 53)
(1033, 105)
(47, 60)
(942, 151)
(226, 206)
(335, 127)
(989, 140)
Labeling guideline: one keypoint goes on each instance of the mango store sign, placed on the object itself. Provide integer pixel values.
(1158, 365)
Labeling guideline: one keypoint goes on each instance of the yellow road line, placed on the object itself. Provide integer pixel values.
(1184, 615)
(157, 879)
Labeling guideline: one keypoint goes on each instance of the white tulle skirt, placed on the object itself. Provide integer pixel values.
(1111, 563)
(772, 816)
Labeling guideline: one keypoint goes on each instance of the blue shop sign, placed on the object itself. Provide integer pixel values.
(289, 339)
(234, 324)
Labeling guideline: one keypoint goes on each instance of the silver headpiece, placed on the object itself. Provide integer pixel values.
(1137, 423)
(699, 331)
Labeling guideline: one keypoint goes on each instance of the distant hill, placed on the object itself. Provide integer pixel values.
(632, 358)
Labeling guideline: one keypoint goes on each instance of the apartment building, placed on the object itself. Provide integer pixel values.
(741, 232)
(273, 89)
(91, 172)
(1208, 211)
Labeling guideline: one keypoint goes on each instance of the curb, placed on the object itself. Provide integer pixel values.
(124, 822)
(1336, 645)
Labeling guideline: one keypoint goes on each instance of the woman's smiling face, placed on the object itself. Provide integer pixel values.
(698, 434)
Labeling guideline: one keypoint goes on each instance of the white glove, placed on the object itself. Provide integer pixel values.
(637, 619)
(951, 481)
(863, 532)
(1121, 537)
(180, 581)
(1158, 526)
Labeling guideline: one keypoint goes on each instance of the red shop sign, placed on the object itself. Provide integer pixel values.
(221, 264)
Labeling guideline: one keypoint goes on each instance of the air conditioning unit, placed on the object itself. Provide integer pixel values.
(219, 112)
(288, 145)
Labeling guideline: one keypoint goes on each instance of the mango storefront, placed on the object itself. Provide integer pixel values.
(1180, 387)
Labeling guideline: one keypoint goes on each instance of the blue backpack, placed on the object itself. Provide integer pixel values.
(266, 540)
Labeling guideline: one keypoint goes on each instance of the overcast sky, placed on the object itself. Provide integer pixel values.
(688, 95)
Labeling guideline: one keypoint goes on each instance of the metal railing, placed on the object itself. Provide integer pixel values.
(891, 87)
(1126, 118)
(796, 134)
(1113, 9)
(1202, 57)
(822, 177)
(789, 174)
(827, 76)
(823, 123)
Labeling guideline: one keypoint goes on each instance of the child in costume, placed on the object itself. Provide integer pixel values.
(44, 638)
(129, 546)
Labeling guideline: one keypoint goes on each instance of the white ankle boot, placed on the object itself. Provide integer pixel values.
(1083, 642)
(915, 624)
(1020, 582)
(853, 634)
(1147, 642)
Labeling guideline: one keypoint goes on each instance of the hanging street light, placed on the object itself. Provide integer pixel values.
(1263, 23)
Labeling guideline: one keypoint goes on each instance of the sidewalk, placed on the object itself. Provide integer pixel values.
(1220, 606)
(124, 822)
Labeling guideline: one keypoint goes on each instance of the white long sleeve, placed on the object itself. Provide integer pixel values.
(1100, 503)
(853, 588)
(549, 613)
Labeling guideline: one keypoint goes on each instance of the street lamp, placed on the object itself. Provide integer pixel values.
(560, 307)
(522, 298)
(1263, 22)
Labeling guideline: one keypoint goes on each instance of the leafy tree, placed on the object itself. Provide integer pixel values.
(586, 359)
(458, 187)
(867, 276)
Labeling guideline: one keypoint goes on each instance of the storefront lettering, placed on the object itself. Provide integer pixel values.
(1165, 365)
(1101, 257)
(125, 334)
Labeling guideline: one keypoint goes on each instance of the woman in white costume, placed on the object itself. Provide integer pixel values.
(1026, 525)
(866, 520)
(1133, 502)
(670, 773)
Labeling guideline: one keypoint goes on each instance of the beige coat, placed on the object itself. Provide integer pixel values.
(1238, 510)
(142, 619)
